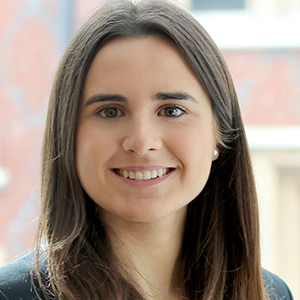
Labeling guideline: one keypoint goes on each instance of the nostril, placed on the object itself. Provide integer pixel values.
(141, 143)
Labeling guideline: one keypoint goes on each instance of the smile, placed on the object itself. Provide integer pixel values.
(145, 175)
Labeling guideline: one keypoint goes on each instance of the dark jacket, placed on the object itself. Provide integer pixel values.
(16, 284)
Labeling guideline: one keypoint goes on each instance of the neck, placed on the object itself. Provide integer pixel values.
(149, 253)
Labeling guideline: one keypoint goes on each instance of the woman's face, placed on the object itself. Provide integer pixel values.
(146, 133)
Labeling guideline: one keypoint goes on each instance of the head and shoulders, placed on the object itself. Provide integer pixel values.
(143, 111)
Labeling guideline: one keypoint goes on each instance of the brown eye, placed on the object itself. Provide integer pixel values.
(172, 111)
(110, 112)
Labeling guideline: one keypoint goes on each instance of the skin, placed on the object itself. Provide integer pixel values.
(146, 129)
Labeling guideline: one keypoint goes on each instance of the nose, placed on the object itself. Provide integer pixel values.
(141, 137)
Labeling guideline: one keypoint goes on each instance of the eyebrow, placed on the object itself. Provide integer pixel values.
(106, 97)
(174, 96)
(157, 97)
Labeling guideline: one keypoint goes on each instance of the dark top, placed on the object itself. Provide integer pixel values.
(16, 284)
(16, 280)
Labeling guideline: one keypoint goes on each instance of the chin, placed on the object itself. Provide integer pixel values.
(144, 215)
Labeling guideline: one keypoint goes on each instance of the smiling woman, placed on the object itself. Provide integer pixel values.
(164, 124)
(147, 187)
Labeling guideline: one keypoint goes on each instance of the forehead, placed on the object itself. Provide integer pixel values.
(152, 47)
(156, 41)
(126, 54)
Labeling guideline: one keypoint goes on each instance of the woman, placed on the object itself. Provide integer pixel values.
(147, 187)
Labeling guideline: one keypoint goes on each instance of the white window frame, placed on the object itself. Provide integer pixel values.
(247, 29)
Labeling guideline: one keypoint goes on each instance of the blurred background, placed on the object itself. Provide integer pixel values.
(261, 44)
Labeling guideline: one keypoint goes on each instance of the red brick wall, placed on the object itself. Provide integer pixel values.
(268, 85)
(29, 51)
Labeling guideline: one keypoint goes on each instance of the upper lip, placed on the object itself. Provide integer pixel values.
(144, 168)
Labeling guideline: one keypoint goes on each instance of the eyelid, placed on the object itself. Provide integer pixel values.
(175, 106)
(114, 106)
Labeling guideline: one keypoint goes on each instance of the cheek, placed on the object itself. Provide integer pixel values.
(83, 161)
(90, 152)
(92, 143)
(195, 152)
(195, 143)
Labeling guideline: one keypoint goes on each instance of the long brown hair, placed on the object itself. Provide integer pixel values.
(221, 249)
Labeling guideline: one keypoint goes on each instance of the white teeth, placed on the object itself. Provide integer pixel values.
(146, 175)
(138, 175)
(153, 174)
(160, 172)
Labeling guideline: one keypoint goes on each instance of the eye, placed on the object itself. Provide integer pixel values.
(110, 112)
(172, 111)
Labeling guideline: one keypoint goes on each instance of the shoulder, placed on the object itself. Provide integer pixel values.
(276, 288)
(16, 280)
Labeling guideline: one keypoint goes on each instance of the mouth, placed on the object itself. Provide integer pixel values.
(145, 175)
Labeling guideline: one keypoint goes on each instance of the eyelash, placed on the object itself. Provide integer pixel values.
(173, 106)
(120, 113)
(106, 108)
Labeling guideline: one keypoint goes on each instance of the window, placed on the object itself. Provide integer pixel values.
(218, 4)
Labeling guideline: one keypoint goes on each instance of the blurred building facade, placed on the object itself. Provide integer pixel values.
(260, 43)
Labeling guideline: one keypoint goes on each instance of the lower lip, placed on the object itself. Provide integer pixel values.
(145, 183)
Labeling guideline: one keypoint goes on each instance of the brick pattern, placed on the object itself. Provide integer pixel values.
(29, 52)
(33, 34)
(268, 85)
